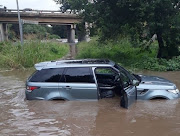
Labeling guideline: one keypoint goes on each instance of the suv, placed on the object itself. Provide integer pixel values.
(93, 79)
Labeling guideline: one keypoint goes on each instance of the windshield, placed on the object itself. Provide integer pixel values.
(124, 71)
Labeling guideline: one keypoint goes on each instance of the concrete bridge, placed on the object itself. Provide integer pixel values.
(10, 16)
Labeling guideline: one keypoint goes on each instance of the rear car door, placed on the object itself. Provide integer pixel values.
(78, 83)
(129, 92)
(46, 84)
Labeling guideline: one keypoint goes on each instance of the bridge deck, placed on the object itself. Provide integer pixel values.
(42, 16)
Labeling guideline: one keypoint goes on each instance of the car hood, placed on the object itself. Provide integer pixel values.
(154, 82)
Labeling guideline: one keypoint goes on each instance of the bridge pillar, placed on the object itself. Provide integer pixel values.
(87, 36)
(84, 35)
(71, 33)
(3, 32)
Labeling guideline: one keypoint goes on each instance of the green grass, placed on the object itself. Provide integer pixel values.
(127, 55)
(14, 56)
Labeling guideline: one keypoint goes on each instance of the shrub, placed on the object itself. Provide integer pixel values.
(53, 36)
(127, 55)
(14, 56)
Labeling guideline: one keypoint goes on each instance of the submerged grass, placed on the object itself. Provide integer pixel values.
(14, 56)
(133, 57)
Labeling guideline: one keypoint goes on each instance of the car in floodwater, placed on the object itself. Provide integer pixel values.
(93, 79)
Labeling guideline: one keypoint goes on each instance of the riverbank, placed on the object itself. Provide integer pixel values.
(132, 57)
(14, 56)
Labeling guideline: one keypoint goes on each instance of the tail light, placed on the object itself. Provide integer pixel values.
(31, 88)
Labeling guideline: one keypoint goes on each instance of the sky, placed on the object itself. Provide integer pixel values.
(33, 4)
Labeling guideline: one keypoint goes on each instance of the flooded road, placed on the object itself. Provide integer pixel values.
(99, 118)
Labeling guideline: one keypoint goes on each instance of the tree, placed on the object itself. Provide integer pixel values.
(60, 30)
(150, 16)
(71, 4)
(29, 29)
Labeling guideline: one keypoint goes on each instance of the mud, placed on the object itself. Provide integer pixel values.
(99, 118)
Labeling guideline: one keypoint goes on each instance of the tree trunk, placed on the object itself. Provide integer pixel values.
(161, 46)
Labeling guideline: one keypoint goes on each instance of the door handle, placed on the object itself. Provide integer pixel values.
(67, 87)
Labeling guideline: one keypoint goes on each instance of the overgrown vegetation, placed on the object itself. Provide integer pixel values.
(32, 32)
(138, 19)
(127, 55)
(14, 56)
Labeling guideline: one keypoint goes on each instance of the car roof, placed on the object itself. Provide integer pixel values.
(74, 63)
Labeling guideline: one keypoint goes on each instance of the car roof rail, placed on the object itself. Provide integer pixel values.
(89, 61)
(52, 63)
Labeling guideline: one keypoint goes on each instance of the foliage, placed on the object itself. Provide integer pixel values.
(127, 55)
(36, 29)
(60, 30)
(143, 18)
(14, 56)
(160, 64)
(72, 4)
(31, 31)
(53, 36)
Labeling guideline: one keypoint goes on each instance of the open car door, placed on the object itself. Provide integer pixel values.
(129, 96)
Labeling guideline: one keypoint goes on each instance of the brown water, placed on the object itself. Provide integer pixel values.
(99, 118)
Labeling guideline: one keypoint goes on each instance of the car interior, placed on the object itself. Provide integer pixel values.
(109, 83)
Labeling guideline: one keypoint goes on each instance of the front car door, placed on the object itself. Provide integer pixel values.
(128, 97)
(118, 81)
(129, 93)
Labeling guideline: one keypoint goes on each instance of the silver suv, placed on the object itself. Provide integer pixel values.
(93, 79)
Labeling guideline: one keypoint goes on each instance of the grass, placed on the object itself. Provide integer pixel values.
(14, 56)
(132, 57)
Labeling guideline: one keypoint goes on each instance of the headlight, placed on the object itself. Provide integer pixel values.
(175, 91)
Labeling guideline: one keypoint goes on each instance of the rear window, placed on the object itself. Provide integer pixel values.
(47, 75)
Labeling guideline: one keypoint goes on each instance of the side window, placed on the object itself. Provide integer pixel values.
(78, 75)
(125, 79)
(105, 75)
(47, 75)
(105, 71)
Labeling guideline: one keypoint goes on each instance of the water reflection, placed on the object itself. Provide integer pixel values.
(98, 118)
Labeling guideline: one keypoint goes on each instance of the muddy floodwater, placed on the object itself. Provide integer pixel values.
(19, 117)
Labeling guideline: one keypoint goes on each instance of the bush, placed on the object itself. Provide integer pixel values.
(13, 56)
(53, 36)
(160, 64)
(127, 55)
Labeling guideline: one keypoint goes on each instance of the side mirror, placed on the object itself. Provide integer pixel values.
(135, 82)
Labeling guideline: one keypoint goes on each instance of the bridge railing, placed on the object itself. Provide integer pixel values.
(41, 11)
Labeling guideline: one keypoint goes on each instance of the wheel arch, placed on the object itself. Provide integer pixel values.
(159, 97)
(58, 98)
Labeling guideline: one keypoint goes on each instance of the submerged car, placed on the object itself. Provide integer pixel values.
(93, 79)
